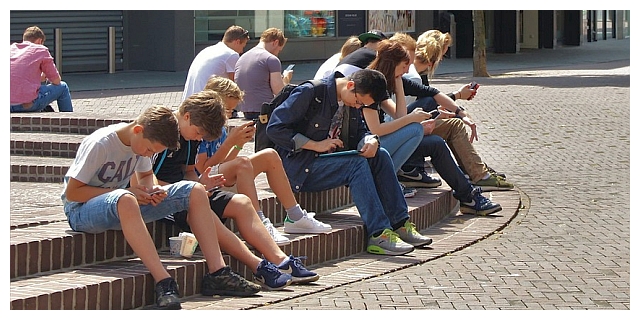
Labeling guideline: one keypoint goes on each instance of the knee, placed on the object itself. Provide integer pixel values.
(272, 156)
(244, 163)
(127, 203)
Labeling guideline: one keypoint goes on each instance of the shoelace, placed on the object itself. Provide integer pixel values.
(297, 262)
(272, 271)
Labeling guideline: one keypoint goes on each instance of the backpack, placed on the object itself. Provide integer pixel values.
(261, 139)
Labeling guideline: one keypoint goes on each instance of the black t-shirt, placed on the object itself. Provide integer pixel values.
(173, 164)
(360, 58)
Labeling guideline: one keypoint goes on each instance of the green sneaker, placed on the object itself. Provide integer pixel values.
(410, 235)
(389, 243)
(494, 183)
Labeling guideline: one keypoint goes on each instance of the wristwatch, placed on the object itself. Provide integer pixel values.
(459, 109)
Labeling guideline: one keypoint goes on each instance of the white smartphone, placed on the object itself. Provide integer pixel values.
(290, 67)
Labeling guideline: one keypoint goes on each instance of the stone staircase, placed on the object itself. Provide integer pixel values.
(53, 267)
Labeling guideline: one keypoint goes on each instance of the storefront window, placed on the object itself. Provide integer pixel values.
(210, 25)
(309, 23)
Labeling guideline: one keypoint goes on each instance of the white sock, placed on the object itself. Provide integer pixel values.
(285, 261)
(295, 213)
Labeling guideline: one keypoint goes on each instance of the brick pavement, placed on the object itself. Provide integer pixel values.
(562, 135)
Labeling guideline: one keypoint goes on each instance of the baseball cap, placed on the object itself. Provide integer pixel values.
(371, 34)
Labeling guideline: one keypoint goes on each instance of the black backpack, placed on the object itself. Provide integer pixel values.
(261, 139)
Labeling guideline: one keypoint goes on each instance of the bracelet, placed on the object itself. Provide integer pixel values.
(235, 146)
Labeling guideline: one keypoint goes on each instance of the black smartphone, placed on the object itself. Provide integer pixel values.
(434, 113)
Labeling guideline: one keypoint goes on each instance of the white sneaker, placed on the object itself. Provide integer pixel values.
(274, 233)
(307, 224)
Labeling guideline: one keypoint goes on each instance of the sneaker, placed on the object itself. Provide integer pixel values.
(410, 235)
(479, 205)
(389, 243)
(494, 183)
(408, 192)
(418, 178)
(270, 277)
(298, 272)
(225, 282)
(499, 174)
(307, 224)
(48, 108)
(274, 233)
(167, 296)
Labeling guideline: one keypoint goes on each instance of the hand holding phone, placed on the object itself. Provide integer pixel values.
(290, 67)
(474, 85)
(434, 113)
(159, 191)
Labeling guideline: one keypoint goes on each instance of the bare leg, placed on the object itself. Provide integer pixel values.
(239, 171)
(201, 221)
(251, 228)
(138, 237)
(269, 162)
(231, 244)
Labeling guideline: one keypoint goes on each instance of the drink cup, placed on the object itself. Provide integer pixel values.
(189, 244)
(175, 244)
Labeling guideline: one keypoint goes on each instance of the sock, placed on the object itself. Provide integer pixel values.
(261, 215)
(295, 213)
(399, 224)
(284, 262)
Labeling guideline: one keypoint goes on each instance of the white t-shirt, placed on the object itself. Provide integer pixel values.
(327, 67)
(217, 59)
(104, 161)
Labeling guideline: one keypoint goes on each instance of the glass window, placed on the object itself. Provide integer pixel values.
(309, 23)
(210, 25)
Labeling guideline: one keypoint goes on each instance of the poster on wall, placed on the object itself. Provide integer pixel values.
(392, 20)
(350, 22)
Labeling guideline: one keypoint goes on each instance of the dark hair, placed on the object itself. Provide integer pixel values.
(370, 82)
(390, 55)
(160, 125)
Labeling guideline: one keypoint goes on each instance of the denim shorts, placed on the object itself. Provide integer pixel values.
(101, 213)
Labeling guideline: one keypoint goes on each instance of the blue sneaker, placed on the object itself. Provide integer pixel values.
(479, 204)
(418, 178)
(299, 273)
(270, 277)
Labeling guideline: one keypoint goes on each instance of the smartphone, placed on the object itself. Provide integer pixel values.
(340, 153)
(213, 189)
(474, 85)
(157, 192)
(290, 67)
(434, 113)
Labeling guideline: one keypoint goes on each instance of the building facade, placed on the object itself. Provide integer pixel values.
(168, 40)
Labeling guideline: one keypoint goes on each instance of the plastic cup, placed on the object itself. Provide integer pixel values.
(189, 245)
(175, 244)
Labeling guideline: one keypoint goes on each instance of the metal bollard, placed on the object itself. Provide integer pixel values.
(57, 45)
(112, 50)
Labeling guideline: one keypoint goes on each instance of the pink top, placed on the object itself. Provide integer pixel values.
(28, 62)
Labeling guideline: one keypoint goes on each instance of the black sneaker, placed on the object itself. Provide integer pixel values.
(418, 178)
(48, 108)
(479, 204)
(167, 296)
(225, 282)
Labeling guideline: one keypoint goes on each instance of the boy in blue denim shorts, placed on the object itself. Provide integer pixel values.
(96, 198)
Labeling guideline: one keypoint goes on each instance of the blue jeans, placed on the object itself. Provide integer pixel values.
(426, 103)
(101, 213)
(372, 182)
(435, 147)
(47, 94)
(401, 143)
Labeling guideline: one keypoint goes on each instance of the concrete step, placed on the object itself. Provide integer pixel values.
(60, 122)
(46, 144)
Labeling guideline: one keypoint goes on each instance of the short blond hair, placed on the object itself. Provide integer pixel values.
(350, 45)
(273, 34)
(33, 33)
(225, 87)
